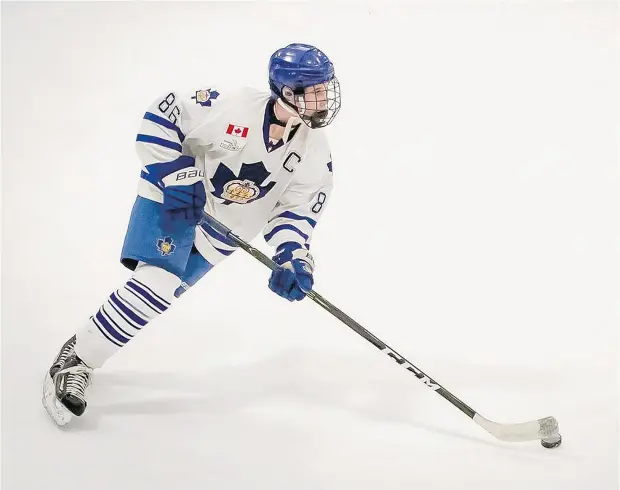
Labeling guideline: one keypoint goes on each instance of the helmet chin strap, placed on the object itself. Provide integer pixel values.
(292, 121)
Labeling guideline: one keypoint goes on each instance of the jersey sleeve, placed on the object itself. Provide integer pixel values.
(302, 204)
(163, 130)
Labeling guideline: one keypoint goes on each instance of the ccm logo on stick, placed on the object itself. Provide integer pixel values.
(421, 376)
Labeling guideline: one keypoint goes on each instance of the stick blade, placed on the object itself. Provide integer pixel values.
(542, 429)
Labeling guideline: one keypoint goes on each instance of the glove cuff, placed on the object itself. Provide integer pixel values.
(184, 176)
(289, 251)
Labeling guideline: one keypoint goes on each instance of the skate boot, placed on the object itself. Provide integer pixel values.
(64, 387)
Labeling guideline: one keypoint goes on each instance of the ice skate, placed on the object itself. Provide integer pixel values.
(64, 387)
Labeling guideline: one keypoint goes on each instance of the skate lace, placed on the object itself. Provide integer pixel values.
(66, 352)
(78, 379)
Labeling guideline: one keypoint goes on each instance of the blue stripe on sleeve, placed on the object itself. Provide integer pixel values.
(149, 116)
(146, 138)
(329, 166)
(278, 228)
(290, 215)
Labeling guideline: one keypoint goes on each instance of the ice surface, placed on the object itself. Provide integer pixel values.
(473, 228)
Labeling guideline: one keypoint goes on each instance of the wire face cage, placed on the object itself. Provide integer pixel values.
(316, 105)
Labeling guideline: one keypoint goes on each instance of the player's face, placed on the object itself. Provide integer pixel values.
(317, 105)
(314, 99)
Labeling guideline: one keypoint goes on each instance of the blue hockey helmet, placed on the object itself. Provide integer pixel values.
(304, 78)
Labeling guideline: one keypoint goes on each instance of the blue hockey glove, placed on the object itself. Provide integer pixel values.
(184, 198)
(293, 278)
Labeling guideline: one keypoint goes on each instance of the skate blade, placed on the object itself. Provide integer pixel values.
(56, 410)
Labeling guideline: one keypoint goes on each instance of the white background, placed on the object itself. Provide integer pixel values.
(473, 227)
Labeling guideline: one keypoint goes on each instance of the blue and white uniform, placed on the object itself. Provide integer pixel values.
(209, 150)
(252, 184)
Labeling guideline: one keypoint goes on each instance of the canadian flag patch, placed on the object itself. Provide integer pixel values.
(239, 131)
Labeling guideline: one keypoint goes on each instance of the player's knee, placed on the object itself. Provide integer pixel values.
(160, 282)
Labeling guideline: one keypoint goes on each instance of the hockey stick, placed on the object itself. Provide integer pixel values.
(545, 429)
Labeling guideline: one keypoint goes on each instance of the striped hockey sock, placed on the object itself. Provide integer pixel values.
(148, 294)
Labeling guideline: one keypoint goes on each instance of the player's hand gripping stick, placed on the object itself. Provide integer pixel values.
(293, 279)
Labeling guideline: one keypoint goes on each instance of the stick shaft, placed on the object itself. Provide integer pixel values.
(347, 320)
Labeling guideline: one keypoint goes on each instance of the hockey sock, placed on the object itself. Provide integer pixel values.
(148, 294)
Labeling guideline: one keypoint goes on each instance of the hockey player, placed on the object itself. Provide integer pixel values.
(253, 160)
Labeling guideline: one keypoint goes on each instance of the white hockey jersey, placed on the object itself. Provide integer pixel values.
(251, 182)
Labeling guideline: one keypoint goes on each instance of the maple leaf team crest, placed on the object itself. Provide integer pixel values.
(204, 97)
(166, 246)
(243, 188)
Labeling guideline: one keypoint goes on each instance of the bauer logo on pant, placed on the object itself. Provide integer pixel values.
(166, 246)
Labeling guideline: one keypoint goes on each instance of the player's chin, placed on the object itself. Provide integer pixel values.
(317, 119)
